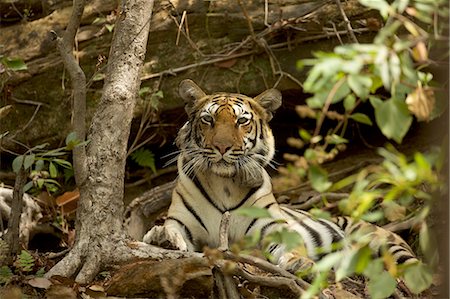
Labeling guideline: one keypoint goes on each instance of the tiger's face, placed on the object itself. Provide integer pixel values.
(227, 134)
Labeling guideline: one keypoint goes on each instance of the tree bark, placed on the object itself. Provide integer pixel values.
(12, 236)
(101, 239)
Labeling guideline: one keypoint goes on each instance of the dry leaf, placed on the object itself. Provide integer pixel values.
(421, 103)
(393, 211)
(5, 110)
(305, 112)
(226, 64)
(420, 52)
(68, 201)
(40, 282)
(60, 291)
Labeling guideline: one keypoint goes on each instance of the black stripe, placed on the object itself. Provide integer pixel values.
(261, 135)
(190, 209)
(404, 258)
(355, 228)
(314, 234)
(398, 250)
(335, 235)
(289, 212)
(266, 227)
(254, 220)
(186, 229)
(205, 195)
(261, 197)
(273, 247)
(246, 197)
(250, 226)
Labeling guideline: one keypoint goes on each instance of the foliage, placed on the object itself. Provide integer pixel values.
(45, 167)
(24, 264)
(389, 75)
(144, 158)
(13, 63)
(5, 275)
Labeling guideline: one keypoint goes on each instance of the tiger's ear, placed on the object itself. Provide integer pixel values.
(269, 100)
(190, 93)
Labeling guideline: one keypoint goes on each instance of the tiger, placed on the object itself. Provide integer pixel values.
(224, 149)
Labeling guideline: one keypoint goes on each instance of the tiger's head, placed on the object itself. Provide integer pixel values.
(226, 133)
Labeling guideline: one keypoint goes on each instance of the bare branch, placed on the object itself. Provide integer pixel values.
(12, 235)
(78, 78)
(223, 231)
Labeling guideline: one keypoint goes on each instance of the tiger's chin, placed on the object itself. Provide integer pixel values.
(245, 176)
(223, 169)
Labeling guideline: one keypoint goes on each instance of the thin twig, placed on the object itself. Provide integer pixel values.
(266, 266)
(402, 225)
(249, 20)
(153, 176)
(328, 101)
(317, 198)
(179, 27)
(347, 22)
(229, 55)
(194, 65)
(274, 282)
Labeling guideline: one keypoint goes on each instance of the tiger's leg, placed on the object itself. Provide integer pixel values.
(171, 235)
(301, 258)
(378, 239)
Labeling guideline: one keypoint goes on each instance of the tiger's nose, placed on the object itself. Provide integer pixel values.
(222, 146)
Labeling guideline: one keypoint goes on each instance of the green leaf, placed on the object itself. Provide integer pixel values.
(5, 275)
(381, 5)
(17, 163)
(28, 186)
(361, 118)
(40, 272)
(349, 102)
(305, 135)
(14, 64)
(253, 212)
(360, 85)
(318, 178)
(418, 277)
(109, 27)
(25, 261)
(329, 261)
(53, 170)
(28, 161)
(335, 139)
(40, 183)
(144, 158)
(382, 286)
(286, 237)
(427, 242)
(71, 137)
(39, 165)
(393, 118)
(63, 163)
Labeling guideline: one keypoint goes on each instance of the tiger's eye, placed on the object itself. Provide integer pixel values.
(207, 119)
(242, 120)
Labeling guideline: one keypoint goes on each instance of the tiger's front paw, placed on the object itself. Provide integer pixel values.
(166, 237)
(296, 263)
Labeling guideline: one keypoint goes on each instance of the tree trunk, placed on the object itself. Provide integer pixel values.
(100, 236)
